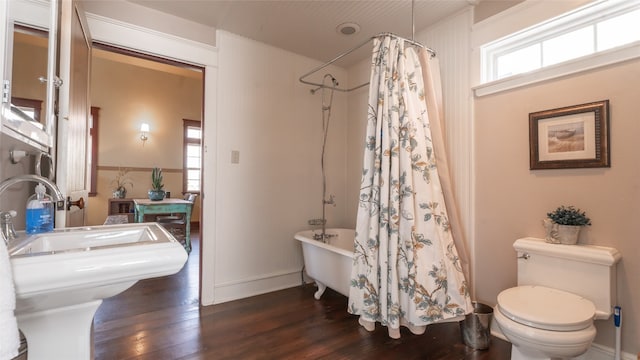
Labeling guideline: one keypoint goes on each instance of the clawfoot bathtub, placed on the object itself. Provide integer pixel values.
(328, 263)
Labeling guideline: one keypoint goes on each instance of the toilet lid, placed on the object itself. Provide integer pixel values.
(546, 308)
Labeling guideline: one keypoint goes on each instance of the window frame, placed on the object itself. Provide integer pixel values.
(588, 15)
(93, 138)
(186, 124)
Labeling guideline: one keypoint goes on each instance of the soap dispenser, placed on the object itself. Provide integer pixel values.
(39, 212)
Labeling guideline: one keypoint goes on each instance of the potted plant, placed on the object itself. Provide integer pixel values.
(157, 187)
(120, 184)
(564, 223)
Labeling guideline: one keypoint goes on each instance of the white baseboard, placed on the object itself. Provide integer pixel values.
(601, 352)
(255, 286)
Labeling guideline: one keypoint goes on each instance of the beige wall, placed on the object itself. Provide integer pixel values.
(511, 200)
(487, 8)
(127, 96)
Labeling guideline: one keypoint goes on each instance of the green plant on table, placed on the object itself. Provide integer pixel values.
(156, 179)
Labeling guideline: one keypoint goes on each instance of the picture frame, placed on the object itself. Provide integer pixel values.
(570, 137)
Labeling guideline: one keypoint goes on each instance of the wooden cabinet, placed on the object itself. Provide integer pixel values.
(122, 207)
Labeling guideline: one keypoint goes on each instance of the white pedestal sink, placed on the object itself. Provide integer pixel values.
(61, 278)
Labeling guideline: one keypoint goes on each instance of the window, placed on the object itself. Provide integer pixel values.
(192, 156)
(595, 28)
(93, 145)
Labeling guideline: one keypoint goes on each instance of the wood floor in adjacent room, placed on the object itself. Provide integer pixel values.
(161, 319)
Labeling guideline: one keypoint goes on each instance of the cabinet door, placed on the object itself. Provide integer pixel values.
(74, 109)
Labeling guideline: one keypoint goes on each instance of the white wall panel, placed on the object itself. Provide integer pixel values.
(451, 40)
(274, 122)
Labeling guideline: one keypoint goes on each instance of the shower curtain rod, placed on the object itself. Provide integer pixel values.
(411, 42)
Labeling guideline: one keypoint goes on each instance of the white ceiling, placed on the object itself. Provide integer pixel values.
(308, 27)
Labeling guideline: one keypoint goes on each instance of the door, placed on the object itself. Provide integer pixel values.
(73, 111)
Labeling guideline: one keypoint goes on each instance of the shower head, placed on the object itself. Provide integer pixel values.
(334, 83)
(333, 80)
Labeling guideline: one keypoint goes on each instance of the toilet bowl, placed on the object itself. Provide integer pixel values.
(545, 323)
(561, 290)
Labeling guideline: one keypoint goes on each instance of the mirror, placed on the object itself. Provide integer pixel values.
(25, 105)
(29, 64)
(26, 139)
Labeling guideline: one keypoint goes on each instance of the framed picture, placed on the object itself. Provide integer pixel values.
(570, 137)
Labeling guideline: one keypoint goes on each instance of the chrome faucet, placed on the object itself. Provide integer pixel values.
(6, 225)
(6, 217)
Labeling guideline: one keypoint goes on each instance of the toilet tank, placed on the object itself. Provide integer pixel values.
(585, 270)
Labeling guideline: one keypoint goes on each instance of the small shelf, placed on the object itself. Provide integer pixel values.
(122, 207)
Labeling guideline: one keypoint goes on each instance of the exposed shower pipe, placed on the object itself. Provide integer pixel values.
(413, 20)
(326, 117)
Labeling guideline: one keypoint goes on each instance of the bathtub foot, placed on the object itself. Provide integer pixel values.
(321, 288)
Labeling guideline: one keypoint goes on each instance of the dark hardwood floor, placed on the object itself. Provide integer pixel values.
(161, 319)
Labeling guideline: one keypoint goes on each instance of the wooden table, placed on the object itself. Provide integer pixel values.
(167, 206)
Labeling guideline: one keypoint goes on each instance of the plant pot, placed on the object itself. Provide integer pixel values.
(156, 195)
(120, 193)
(561, 234)
(568, 234)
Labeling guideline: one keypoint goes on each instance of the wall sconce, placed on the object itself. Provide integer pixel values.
(144, 131)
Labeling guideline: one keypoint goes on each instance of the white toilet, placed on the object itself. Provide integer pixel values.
(561, 290)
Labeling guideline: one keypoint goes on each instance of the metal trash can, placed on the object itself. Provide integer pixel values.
(476, 327)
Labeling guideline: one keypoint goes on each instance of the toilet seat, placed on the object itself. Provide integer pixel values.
(547, 344)
(546, 308)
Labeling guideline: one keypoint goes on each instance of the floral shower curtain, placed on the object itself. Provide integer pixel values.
(406, 269)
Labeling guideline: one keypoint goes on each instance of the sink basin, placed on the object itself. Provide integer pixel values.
(62, 276)
(86, 239)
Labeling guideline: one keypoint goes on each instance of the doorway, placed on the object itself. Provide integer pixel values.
(129, 89)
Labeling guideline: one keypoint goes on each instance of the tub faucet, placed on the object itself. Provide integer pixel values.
(324, 237)
(8, 233)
